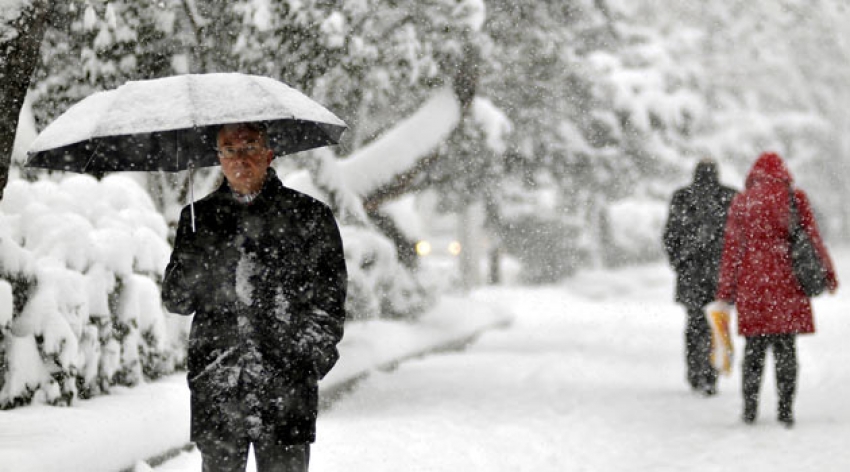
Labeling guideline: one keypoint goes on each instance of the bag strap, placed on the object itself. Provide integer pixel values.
(794, 220)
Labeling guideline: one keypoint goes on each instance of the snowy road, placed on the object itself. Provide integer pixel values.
(590, 377)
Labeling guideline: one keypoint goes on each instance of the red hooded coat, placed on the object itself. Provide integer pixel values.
(755, 270)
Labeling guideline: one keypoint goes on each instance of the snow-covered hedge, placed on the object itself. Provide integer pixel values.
(636, 226)
(80, 309)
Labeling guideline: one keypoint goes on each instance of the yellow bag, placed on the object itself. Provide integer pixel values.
(722, 351)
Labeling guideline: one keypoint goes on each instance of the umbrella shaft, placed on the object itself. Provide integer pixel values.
(192, 194)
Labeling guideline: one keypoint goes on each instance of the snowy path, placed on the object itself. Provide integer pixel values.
(589, 378)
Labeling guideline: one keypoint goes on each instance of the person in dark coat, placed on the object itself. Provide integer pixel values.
(756, 276)
(263, 272)
(693, 240)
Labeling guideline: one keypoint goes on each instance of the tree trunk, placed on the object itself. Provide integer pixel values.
(20, 55)
(494, 225)
(469, 254)
(494, 265)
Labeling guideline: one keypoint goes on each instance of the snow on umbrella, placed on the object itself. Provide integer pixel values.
(170, 123)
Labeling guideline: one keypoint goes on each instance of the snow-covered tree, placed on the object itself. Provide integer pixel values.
(747, 77)
(566, 140)
(613, 101)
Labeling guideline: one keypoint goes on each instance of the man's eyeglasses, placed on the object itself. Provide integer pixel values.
(231, 152)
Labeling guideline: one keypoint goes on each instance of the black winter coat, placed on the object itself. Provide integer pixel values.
(693, 236)
(267, 284)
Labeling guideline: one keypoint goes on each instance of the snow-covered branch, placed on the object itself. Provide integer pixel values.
(398, 151)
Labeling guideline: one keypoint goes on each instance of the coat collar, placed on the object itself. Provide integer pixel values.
(271, 185)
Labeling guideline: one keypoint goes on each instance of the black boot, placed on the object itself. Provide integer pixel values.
(786, 378)
(750, 411)
(786, 415)
(753, 366)
(708, 390)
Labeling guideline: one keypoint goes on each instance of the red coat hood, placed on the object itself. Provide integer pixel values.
(769, 167)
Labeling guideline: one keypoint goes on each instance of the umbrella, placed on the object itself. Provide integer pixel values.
(170, 123)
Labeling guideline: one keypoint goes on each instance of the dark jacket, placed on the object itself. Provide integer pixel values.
(267, 284)
(693, 236)
(756, 273)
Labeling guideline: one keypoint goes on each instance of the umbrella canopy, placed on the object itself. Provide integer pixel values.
(171, 123)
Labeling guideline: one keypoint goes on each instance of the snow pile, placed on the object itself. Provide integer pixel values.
(80, 311)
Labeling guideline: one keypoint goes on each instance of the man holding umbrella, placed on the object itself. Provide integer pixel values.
(261, 266)
(264, 274)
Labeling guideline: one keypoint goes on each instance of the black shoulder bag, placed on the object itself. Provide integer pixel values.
(808, 268)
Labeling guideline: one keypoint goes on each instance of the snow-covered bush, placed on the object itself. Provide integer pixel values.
(635, 228)
(80, 310)
(378, 284)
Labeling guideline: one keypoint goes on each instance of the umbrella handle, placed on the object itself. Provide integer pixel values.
(192, 194)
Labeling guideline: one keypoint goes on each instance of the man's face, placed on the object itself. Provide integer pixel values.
(244, 158)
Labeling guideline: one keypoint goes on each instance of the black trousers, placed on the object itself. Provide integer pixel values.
(231, 455)
(225, 448)
(701, 374)
(785, 355)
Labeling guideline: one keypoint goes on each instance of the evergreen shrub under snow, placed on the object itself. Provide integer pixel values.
(80, 308)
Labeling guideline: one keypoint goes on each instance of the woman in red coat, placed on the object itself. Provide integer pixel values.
(756, 276)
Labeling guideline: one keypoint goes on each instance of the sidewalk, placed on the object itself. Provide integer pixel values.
(147, 423)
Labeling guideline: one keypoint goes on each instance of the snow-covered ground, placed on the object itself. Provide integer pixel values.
(589, 377)
(113, 432)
